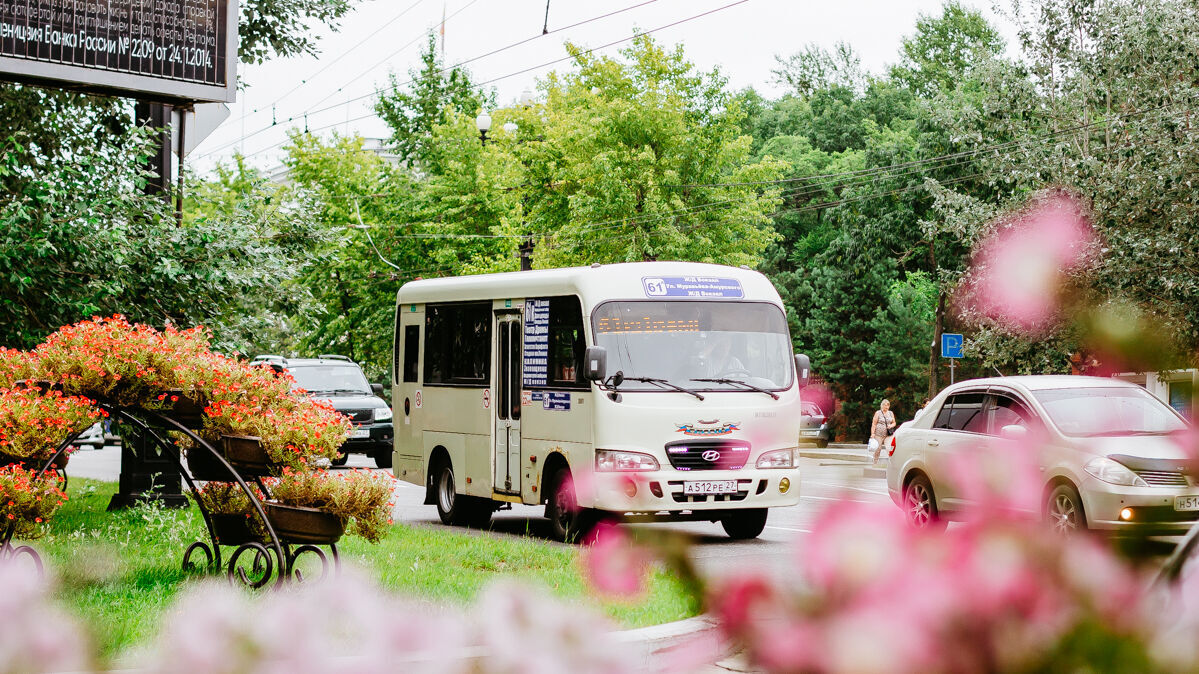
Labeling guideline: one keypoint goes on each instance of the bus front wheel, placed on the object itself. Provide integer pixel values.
(744, 524)
(459, 509)
(568, 522)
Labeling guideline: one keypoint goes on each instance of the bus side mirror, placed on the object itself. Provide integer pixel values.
(803, 369)
(596, 366)
(377, 389)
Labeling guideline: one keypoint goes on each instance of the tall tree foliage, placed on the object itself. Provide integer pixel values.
(79, 236)
(436, 91)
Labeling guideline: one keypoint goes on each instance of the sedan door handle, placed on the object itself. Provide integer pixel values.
(933, 443)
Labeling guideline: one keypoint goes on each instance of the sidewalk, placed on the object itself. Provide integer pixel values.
(851, 452)
(840, 451)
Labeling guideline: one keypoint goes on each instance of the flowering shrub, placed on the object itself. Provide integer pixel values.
(223, 498)
(295, 433)
(137, 366)
(27, 502)
(108, 359)
(361, 498)
(15, 366)
(33, 424)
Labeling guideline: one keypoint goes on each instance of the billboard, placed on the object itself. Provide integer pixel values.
(161, 50)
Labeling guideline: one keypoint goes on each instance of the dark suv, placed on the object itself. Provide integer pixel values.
(340, 381)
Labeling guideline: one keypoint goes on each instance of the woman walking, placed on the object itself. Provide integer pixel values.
(881, 427)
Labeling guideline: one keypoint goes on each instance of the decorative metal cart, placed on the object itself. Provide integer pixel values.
(263, 549)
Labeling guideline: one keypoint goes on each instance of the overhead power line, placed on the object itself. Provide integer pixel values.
(309, 78)
(477, 85)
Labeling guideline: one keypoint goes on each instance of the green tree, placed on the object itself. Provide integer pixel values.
(282, 27)
(638, 159)
(945, 49)
(436, 91)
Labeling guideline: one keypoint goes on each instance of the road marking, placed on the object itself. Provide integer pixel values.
(831, 498)
(845, 486)
(806, 531)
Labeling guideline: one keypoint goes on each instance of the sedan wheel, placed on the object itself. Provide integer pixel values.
(920, 505)
(1063, 510)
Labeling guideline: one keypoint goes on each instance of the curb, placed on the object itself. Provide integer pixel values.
(656, 642)
(837, 455)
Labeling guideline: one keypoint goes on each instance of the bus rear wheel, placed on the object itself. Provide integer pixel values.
(459, 509)
(743, 525)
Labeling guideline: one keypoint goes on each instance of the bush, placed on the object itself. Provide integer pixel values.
(361, 498)
(33, 424)
(26, 501)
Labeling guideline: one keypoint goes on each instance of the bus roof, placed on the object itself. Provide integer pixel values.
(598, 283)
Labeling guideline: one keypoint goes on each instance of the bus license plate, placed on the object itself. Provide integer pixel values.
(711, 487)
(1186, 502)
(358, 433)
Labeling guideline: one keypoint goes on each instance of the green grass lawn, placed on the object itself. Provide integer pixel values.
(119, 572)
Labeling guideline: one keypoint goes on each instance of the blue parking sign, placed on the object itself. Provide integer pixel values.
(952, 345)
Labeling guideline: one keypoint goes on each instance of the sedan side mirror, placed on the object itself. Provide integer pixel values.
(803, 369)
(377, 389)
(1013, 432)
(595, 367)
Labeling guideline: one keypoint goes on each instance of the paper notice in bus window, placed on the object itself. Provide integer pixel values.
(536, 359)
(692, 286)
(526, 398)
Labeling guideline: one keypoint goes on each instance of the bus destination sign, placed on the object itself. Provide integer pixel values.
(169, 49)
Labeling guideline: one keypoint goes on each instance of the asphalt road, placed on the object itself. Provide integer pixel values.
(822, 482)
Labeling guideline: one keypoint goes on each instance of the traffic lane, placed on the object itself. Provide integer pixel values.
(772, 553)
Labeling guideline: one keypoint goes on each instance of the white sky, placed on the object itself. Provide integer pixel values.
(742, 40)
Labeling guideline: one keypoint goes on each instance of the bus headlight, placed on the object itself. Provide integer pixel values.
(779, 458)
(382, 414)
(615, 460)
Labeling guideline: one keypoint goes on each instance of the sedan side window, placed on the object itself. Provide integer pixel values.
(963, 412)
(1009, 412)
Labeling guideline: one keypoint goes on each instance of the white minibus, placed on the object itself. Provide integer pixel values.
(644, 391)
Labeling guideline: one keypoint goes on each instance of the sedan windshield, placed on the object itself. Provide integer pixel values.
(687, 342)
(1087, 412)
(330, 379)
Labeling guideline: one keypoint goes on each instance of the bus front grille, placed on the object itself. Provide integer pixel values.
(707, 454)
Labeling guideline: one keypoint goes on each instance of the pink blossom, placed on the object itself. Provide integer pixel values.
(613, 563)
(1017, 272)
(35, 636)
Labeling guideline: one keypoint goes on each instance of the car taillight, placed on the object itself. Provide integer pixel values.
(892, 452)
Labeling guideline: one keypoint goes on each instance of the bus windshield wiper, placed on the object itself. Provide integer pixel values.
(720, 380)
(666, 383)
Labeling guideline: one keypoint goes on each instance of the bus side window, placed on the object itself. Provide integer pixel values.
(411, 351)
(566, 343)
(458, 344)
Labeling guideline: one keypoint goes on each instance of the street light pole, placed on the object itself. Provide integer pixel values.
(483, 124)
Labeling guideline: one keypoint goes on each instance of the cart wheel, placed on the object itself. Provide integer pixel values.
(320, 554)
(189, 566)
(261, 569)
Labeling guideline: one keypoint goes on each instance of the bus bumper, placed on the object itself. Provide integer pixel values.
(674, 491)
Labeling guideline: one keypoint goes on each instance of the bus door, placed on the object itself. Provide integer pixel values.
(507, 397)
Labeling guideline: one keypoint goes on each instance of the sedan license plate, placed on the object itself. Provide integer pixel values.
(1186, 502)
(359, 433)
(711, 487)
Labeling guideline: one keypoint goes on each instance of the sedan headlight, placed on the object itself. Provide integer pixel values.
(382, 414)
(779, 458)
(1114, 472)
(615, 460)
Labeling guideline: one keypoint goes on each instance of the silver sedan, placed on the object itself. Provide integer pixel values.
(1108, 454)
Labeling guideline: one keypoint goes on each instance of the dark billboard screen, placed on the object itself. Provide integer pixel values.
(186, 43)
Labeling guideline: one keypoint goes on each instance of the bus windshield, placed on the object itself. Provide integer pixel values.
(684, 341)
